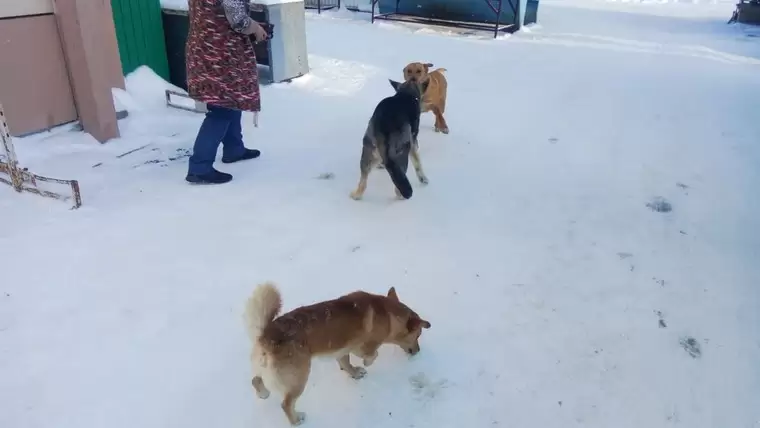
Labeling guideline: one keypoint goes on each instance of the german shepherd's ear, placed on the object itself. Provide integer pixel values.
(395, 84)
(415, 322)
(392, 294)
(428, 65)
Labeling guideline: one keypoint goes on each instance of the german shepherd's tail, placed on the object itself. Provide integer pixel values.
(261, 308)
(400, 180)
(395, 156)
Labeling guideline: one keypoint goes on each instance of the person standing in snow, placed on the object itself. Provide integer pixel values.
(221, 72)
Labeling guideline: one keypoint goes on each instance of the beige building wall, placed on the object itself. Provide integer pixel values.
(13, 8)
(34, 83)
(60, 60)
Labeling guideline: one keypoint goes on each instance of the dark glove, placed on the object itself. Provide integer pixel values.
(269, 28)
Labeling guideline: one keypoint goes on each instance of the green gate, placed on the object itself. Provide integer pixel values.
(140, 35)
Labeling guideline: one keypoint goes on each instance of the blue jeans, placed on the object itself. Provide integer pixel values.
(221, 125)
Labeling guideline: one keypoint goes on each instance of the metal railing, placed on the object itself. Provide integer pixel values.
(321, 5)
(24, 181)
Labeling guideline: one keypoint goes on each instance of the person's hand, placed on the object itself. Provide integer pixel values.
(259, 32)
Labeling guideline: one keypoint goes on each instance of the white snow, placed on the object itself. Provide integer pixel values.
(174, 4)
(532, 251)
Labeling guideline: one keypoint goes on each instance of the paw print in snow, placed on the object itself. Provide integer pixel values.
(424, 388)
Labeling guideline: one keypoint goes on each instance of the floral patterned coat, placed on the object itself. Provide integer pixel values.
(221, 62)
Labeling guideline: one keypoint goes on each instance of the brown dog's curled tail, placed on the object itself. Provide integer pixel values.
(261, 308)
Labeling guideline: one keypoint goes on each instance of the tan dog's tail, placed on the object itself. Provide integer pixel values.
(442, 70)
(261, 308)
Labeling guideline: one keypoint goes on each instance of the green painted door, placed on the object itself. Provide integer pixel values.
(140, 34)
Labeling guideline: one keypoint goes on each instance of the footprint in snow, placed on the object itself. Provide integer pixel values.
(661, 323)
(692, 346)
(684, 187)
(424, 388)
(660, 205)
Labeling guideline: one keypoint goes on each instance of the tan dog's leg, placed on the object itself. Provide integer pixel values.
(355, 372)
(361, 187)
(368, 353)
(370, 159)
(294, 377)
(440, 122)
(415, 155)
(444, 95)
(261, 389)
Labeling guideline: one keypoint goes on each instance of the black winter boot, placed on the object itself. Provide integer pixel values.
(247, 154)
(211, 177)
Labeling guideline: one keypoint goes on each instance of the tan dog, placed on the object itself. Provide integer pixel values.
(434, 98)
(357, 323)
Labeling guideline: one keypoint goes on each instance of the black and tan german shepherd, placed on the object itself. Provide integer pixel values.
(391, 138)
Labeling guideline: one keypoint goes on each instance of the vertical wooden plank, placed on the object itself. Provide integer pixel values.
(142, 31)
(140, 35)
(132, 32)
(150, 35)
(159, 44)
(126, 47)
(121, 33)
(118, 23)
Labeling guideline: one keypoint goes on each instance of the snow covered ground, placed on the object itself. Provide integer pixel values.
(558, 297)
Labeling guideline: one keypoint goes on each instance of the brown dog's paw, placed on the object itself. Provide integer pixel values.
(359, 373)
(300, 418)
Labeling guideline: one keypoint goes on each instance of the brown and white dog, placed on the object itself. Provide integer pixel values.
(357, 323)
(434, 98)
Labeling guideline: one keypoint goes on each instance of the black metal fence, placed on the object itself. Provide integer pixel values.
(321, 5)
(433, 14)
(358, 5)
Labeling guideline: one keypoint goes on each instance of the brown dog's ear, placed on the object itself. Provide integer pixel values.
(414, 323)
(428, 65)
(392, 294)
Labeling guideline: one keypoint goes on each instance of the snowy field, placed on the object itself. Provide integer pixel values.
(558, 297)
